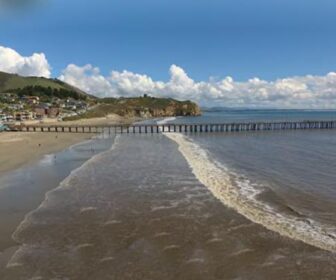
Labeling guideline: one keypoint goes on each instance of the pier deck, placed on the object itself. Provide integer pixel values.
(182, 128)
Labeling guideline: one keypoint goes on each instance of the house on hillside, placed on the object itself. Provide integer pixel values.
(15, 107)
(53, 112)
(8, 97)
(74, 105)
(31, 100)
(43, 111)
(3, 117)
(6, 117)
(24, 115)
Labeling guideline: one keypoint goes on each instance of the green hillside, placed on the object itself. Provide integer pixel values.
(14, 83)
(145, 106)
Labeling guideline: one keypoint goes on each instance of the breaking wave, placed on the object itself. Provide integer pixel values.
(241, 195)
(166, 120)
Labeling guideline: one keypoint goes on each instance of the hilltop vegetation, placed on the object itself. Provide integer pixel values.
(38, 86)
(46, 93)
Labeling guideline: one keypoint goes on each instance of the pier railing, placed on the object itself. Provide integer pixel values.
(182, 128)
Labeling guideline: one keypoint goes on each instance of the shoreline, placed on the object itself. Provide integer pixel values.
(18, 149)
(24, 187)
(22, 149)
(25, 149)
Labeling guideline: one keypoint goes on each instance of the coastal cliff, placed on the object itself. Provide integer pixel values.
(148, 107)
(144, 107)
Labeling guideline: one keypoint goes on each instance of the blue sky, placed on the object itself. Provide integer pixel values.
(250, 53)
(240, 38)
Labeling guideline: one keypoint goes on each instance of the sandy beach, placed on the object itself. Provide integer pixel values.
(108, 120)
(20, 148)
(17, 148)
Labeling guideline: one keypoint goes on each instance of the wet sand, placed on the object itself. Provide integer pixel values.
(19, 148)
(23, 189)
(108, 120)
(155, 222)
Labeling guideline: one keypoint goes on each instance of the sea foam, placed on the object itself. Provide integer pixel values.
(241, 195)
(166, 120)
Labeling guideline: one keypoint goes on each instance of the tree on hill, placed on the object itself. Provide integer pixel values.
(48, 93)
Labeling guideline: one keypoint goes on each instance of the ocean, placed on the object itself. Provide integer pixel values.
(238, 205)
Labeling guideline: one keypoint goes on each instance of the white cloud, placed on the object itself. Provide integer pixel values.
(89, 79)
(295, 92)
(13, 62)
(129, 84)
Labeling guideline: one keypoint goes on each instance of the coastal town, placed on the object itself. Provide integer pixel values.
(38, 100)
(32, 108)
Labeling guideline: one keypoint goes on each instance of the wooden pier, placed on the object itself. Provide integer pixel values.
(181, 128)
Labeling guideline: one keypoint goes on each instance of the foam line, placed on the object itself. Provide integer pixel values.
(166, 120)
(241, 196)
